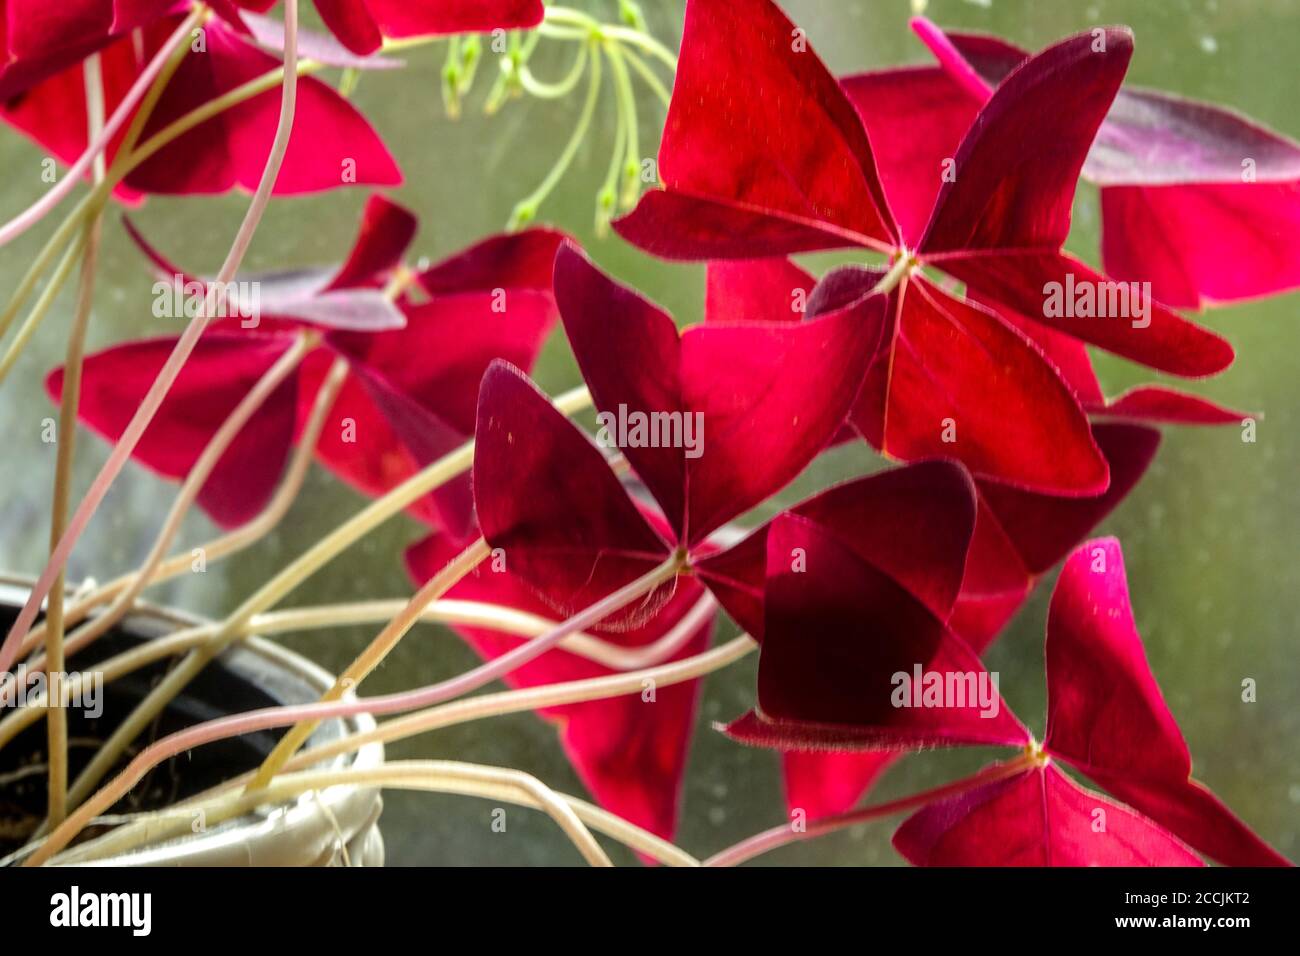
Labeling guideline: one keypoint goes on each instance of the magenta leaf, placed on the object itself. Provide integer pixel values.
(522, 260)
(416, 390)
(999, 223)
(913, 523)
(1106, 714)
(1016, 169)
(362, 25)
(1045, 528)
(962, 383)
(951, 378)
(1104, 706)
(1152, 404)
(414, 370)
(351, 22)
(838, 634)
(440, 355)
(1152, 138)
(546, 497)
(420, 383)
(1107, 718)
(948, 377)
(402, 436)
(1149, 137)
(762, 153)
(400, 18)
(1038, 818)
(1002, 233)
(354, 310)
(1015, 531)
(834, 675)
(754, 393)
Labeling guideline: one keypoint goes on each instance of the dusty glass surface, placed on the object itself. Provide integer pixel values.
(1209, 536)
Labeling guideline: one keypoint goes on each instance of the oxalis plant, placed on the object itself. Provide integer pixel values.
(589, 568)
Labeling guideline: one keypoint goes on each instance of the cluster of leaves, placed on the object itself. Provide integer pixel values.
(958, 174)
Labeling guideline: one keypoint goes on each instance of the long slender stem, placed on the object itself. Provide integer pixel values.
(380, 510)
(486, 705)
(497, 618)
(233, 254)
(267, 718)
(242, 537)
(464, 613)
(147, 105)
(439, 776)
(473, 708)
(484, 615)
(37, 211)
(184, 346)
(761, 843)
(57, 720)
(527, 699)
(374, 654)
(93, 75)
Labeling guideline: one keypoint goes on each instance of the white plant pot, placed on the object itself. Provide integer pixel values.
(325, 828)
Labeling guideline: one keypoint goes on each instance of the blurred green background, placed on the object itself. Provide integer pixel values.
(1210, 536)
